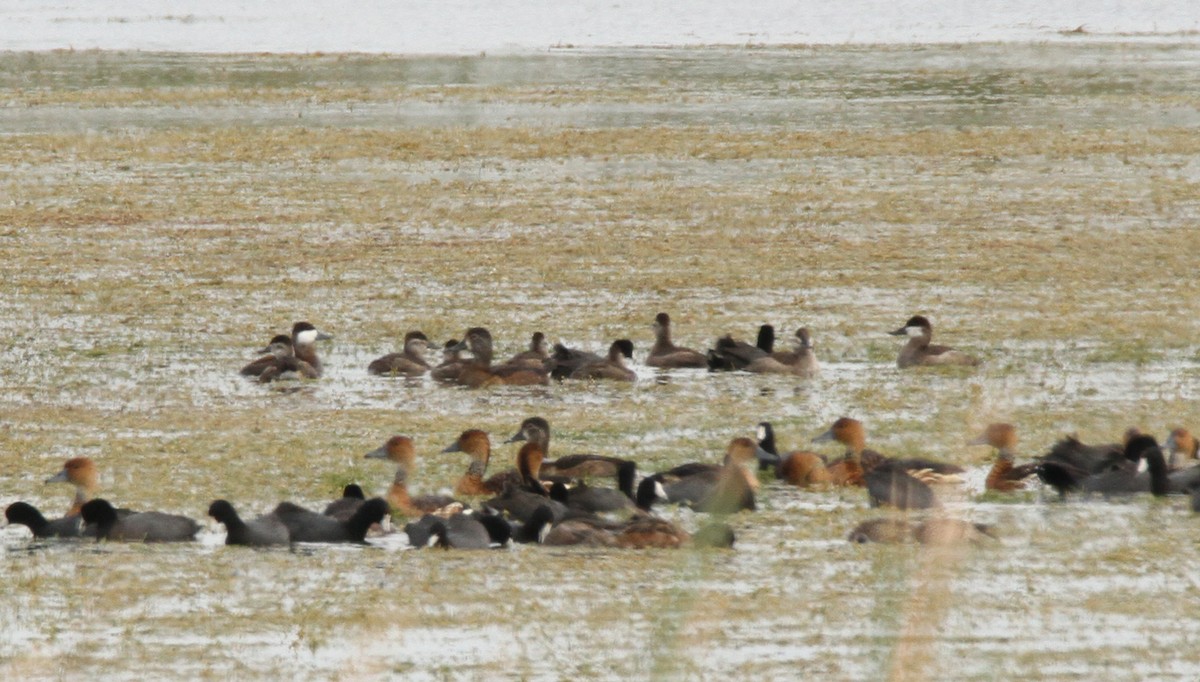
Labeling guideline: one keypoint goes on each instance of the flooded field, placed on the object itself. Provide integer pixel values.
(162, 216)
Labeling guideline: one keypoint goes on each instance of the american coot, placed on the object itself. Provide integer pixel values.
(28, 515)
(345, 506)
(149, 526)
(918, 351)
(264, 531)
(665, 354)
(308, 526)
(465, 530)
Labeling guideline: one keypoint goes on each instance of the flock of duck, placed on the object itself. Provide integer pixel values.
(559, 502)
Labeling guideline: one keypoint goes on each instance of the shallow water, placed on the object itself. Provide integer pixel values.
(152, 244)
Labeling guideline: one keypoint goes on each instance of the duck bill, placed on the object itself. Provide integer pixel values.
(60, 477)
(517, 437)
(903, 331)
(378, 453)
(824, 437)
(453, 447)
(979, 440)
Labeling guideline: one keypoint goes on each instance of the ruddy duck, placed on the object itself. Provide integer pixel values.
(665, 354)
(918, 351)
(410, 362)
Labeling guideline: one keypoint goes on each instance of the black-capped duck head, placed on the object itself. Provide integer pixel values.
(304, 334)
(620, 348)
(802, 339)
(847, 431)
(1001, 436)
(538, 344)
(79, 472)
(450, 350)
(479, 341)
(398, 449)
(416, 342)
(916, 327)
(474, 442)
(534, 430)
(662, 323)
(529, 462)
(280, 346)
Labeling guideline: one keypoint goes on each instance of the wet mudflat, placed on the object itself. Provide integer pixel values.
(164, 215)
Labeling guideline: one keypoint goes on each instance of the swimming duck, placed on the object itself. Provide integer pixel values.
(476, 444)
(889, 484)
(410, 362)
(264, 531)
(800, 467)
(803, 359)
(452, 363)
(588, 499)
(537, 430)
(345, 506)
(279, 347)
(918, 351)
(304, 346)
(612, 367)
(665, 354)
(399, 449)
(1004, 476)
(884, 530)
(938, 531)
(858, 460)
(308, 526)
(479, 371)
(534, 358)
(1183, 449)
(27, 515)
(149, 526)
(80, 472)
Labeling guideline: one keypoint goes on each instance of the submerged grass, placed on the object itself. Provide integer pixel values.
(164, 215)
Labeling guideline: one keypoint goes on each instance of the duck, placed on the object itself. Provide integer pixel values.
(28, 515)
(564, 360)
(611, 367)
(666, 355)
(803, 359)
(304, 340)
(937, 531)
(724, 489)
(1004, 475)
(279, 347)
(308, 526)
(858, 459)
(478, 446)
(151, 526)
(1119, 477)
(284, 365)
(464, 530)
(480, 372)
(537, 430)
(534, 358)
(80, 472)
(1183, 449)
(451, 365)
(890, 484)
(520, 498)
(400, 449)
(410, 362)
(345, 506)
(588, 499)
(264, 531)
(1071, 454)
(799, 468)
(919, 352)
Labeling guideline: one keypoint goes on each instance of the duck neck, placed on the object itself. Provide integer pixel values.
(307, 352)
(397, 495)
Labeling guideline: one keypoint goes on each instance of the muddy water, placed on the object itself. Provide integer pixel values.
(132, 296)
